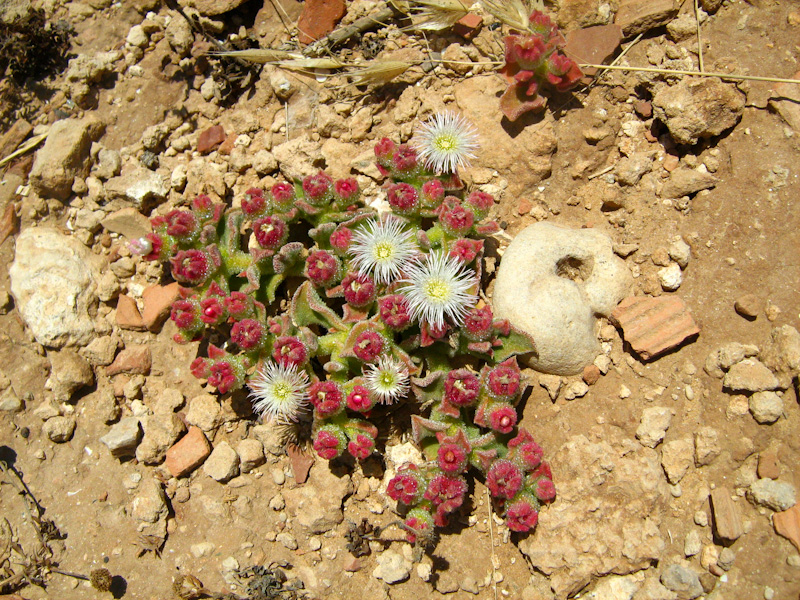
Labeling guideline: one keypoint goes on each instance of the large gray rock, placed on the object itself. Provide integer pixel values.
(551, 283)
(53, 279)
(64, 156)
(606, 517)
(698, 108)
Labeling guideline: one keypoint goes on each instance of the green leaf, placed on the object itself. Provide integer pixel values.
(308, 308)
(515, 343)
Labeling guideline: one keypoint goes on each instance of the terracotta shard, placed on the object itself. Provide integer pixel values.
(188, 453)
(593, 45)
(653, 326)
(318, 19)
(301, 463)
(727, 520)
(787, 524)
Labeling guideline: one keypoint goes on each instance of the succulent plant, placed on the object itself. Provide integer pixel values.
(535, 60)
(337, 314)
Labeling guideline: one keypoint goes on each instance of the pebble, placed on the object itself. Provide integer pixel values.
(123, 437)
(624, 391)
(188, 453)
(670, 277)
(577, 389)
(776, 495)
(726, 559)
(393, 567)
(278, 476)
(749, 375)
(59, 429)
(314, 544)
(287, 539)
(251, 455)
(768, 465)
(424, 571)
(202, 549)
(793, 560)
(692, 545)
(766, 407)
(727, 519)
(748, 306)
(223, 463)
(706, 446)
(701, 518)
(551, 383)
(470, 585)
(653, 426)
(681, 580)
(680, 252)
(277, 502)
(676, 458)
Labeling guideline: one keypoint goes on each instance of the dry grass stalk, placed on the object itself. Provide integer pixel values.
(379, 72)
(434, 15)
(723, 76)
(259, 55)
(513, 13)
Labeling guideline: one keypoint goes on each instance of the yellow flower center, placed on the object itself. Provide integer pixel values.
(437, 291)
(445, 143)
(383, 251)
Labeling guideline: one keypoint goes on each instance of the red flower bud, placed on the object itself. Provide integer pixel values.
(248, 334)
(359, 290)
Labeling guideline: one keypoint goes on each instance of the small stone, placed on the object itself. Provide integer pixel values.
(787, 524)
(577, 389)
(392, 567)
(701, 518)
(680, 252)
(468, 26)
(653, 426)
(158, 301)
(352, 564)
(188, 453)
(287, 539)
(670, 277)
(123, 437)
(149, 505)
(653, 326)
(767, 407)
(776, 495)
(682, 581)
(301, 462)
(59, 429)
(137, 37)
(728, 355)
(128, 222)
(635, 17)
(277, 502)
(446, 584)
(748, 306)
(319, 18)
(69, 373)
(676, 458)
(210, 139)
(726, 559)
(251, 454)
(204, 412)
(160, 432)
(470, 585)
(551, 383)
(706, 446)
(768, 466)
(591, 374)
(709, 556)
(133, 360)
(202, 549)
(127, 314)
(223, 463)
(691, 544)
(727, 520)
(749, 375)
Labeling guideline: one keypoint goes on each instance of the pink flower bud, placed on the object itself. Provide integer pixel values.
(359, 290)
(478, 324)
(330, 442)
(283, 195)
(407, 486)
(545, 490)
(456, 220)
(452, 458)
(503, 382)
(446, 492)
(461, 388)
(318, 188)
(522, 516)
(360, 400)
(191, 266)
(394, 312)
(340, 239)
(504, 479)
(239, 305)
(361, 447)
(384, 150)
(270, 232)
(254, 203)
(327, 398)
(322, 268)
(432, 193)
(289, 351)
(184, 313)
(212, 311)
(502, 418)
(181, 224)
(403, 198)
(222, 376)
(480, 203)
(346, 190)
(420, 524)
(405, 159)
(368, 346)
(466, 250)
(248, 334)
(200, 368)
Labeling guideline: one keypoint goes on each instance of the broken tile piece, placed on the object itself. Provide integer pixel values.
(787, 524)
(653, 326)
(727, 520)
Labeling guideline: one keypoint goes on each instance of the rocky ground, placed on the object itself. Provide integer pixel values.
(673, 453)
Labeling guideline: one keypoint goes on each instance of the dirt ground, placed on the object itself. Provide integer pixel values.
(743, 235)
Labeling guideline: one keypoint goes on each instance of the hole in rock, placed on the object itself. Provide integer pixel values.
(575, 268)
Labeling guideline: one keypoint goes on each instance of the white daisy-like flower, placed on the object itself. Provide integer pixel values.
(279, 392)
(446, 142)
(387, 379)
(382, 248)
(438, 287)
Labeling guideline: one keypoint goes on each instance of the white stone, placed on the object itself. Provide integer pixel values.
(654, 424)
(551, 283)
(670, 277)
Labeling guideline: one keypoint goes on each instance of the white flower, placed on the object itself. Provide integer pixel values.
(280, 392)
(437, 287)
(446, 142)
(388, 379)
(382, 248)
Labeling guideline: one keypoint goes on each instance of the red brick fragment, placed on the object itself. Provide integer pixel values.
(133, 360)
(653, 326)
(227, 145)
(128, 316)
(593, 45)
(188, 453)
(787, 524)
(210, 139)
(768, 465)
(591, 374)
(158, 301)
(318, 19)
(301, 463)
(468, 26)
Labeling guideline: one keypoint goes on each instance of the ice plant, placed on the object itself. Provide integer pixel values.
(334, 316)
(439, 287)
(446, 142)
(279, 392)
(382, 248)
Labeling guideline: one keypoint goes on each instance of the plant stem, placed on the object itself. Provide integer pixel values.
(695, 73)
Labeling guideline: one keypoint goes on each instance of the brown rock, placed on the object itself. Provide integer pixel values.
(318, 19)
(637, 16)
(685, 182)
(670, 161)
(787, 524)
(643, 108)
(748, 306)
(352, 564)
(210, 139)
(226, 146)
(14, 137)
(591, 374)
(593, 44)
(210, 8)
(468, 26)
(768, 465)
(188, 453)
(128, 222)
(727, 520)
(128, 316)
(524, 206)
(652, 326)
(301, 463)
(133, 360)
(158, 301)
